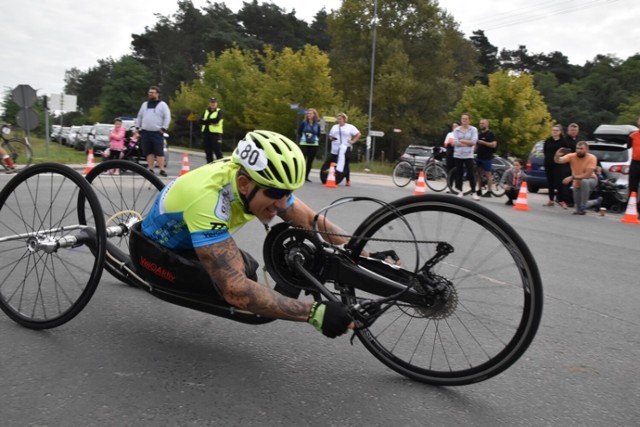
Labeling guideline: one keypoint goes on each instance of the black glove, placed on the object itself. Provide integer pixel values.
(329, 317)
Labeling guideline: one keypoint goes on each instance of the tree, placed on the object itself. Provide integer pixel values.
(516, 110)
(422, 63)
(88, 86)
(124, 91)
(487, 55)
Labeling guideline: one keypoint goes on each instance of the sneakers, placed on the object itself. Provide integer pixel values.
(563, 204)
(348, 184)
(11, 170)
(509, 203)
(476, 197)
(163, 173)
(307, 180)
(548, 204)
(579, 213)
(487, 194)
(460, 194)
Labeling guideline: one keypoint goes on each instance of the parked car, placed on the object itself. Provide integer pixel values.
(64, 133)
(55, 132)
(536, 175)
(99, 138)
(83, 136)
(72, 136)
(421, 153)
(613, 152)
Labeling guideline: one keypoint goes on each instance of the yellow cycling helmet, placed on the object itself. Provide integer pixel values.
(271, 160)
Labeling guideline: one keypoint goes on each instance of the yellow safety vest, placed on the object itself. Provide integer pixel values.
(212, 115)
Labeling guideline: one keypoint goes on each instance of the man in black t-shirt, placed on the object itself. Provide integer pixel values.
(486, 146)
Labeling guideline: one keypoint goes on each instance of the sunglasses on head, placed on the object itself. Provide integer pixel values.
(276, 193)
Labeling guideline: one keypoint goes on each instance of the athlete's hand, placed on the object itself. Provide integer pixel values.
(331, 318)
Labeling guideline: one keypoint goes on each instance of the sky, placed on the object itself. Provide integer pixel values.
(40, 40)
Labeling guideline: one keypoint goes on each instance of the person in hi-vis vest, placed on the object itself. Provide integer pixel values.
(211, 128)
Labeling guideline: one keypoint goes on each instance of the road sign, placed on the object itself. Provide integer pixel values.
(62, 102)
(192, 117)
(376, 133)
(24, 96)
(27, 119)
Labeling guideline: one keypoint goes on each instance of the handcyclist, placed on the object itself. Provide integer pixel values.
(199, 210)
(6, 130)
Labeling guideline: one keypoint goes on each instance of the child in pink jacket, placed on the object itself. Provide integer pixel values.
(116, 143)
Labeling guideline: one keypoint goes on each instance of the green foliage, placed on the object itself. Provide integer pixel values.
(255, 90)
(125, 90)
(422, 63)
(516, 110)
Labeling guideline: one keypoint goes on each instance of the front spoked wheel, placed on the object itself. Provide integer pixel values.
(19, 151)
(126, 191)
(51, 261)
(486, 295)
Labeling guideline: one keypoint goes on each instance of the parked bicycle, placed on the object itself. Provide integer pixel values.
(18, 149)
(441, 317)
(435, 174)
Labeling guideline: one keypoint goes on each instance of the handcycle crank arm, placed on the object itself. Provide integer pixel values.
(298, 265)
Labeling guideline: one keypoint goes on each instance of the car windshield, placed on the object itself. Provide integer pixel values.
(611, 154)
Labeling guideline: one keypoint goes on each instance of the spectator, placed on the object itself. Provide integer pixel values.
(512, 180)
(634, 168)
(211, 127)
(583, 175)
(465, 138)
(153, 120)
(116, 143)
(343, 135)
(448, 144)
(485, 148)
(552, 169)
(309, 138)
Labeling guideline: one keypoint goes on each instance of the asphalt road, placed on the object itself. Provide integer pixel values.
(130, 359)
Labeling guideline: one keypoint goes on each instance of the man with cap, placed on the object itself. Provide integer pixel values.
(211, 128)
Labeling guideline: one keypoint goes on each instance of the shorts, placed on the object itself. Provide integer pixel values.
(485, 165)
(152, 143)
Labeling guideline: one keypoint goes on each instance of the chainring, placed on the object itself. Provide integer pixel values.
(280, 243)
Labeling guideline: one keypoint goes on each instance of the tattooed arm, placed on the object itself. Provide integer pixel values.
(224, 264)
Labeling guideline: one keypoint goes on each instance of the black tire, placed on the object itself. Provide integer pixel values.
(436, 177)
(19, 151)
(403, 173)
(494, 305)
(43, 288)
(129, 194)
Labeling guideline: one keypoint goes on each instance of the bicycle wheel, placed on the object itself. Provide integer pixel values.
(436, 177)
(45, 279)
(403, 173)
(130, 194)
(490, 298)
(451, 183)
(496, 188)
(19, 151)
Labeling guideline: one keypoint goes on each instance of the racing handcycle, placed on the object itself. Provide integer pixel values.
(442, 290)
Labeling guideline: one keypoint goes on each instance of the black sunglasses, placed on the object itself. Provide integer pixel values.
(275, 193)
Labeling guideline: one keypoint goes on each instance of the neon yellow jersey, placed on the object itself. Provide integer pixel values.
(200, 208)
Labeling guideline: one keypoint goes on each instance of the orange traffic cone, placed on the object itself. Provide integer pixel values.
(631, 215)
(90, 162)
(185, 164)
(521, 202)
(331, 178)
(421, 187)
